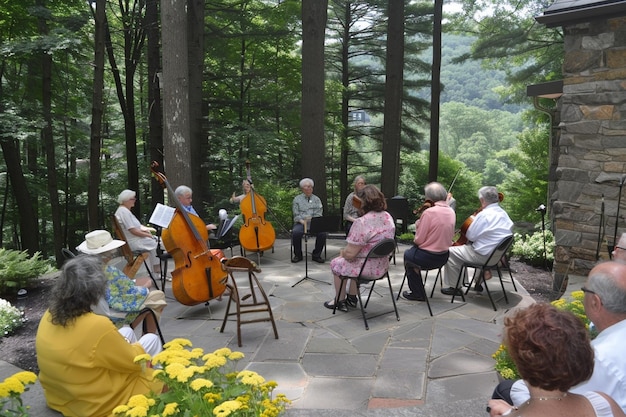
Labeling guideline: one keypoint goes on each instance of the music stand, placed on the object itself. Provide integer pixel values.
(319, 225)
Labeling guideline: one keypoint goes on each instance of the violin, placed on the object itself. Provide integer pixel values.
(427, 204)
(257, 234)
(199, 275)
(462, 240)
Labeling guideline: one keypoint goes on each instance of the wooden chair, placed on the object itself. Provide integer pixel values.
(134, 259)
(250, 299)
(383, 249)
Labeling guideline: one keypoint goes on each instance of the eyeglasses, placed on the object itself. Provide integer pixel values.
(584, 289)
(620, 247)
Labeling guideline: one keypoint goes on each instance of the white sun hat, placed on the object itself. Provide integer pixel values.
(99, 241)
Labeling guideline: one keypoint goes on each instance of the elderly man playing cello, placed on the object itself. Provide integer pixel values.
(489, 227)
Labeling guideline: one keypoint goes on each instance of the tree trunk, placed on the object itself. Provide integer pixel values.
(314, 15)
(393, 99)
(155, 111)
(48, 144)
(175, 88)
(96, 118)
(433, 165)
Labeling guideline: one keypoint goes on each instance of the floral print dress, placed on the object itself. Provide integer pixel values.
(122, 295)
(366, 232)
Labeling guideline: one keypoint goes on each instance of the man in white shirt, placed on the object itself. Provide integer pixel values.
(486, 231)
(605, 306)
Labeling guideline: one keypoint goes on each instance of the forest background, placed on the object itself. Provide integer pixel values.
(81, 113)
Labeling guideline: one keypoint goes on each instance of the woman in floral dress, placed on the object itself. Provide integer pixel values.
(373, 225)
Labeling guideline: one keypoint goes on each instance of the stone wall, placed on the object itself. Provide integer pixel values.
(591, 145)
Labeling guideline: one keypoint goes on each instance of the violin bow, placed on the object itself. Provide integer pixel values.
(454, 179)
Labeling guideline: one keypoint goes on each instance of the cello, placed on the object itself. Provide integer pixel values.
(256, 234)
(198, 275)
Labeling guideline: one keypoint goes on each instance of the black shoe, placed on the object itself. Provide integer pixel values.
(352, 300)
(411, 296)
(318, 259)
(478, 288)
(451, 291)
(296, 259)
(340, 306)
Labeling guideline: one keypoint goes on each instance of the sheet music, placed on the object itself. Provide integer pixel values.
(162, 215)
(227, 226)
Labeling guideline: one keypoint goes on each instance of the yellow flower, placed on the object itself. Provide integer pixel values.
(211, 397)
(235, 356)
(173, 370)
(196, 353)
(250, 378)
(14, 385)
(184, 374)
(139, 400)
(142, 358)
(223, 352)
(200, 383)
(137, 412)
(26, 377)
(213, 361)
(120, 409)
(170, 409)
(4, 390)
(177, 343)
(226, 408)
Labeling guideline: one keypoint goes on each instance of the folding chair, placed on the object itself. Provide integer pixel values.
(493, 261)
(247, 300)
(383, 249)
(407, 266)
(134, 259)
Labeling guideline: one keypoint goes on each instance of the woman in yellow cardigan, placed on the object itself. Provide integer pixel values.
(86, 365)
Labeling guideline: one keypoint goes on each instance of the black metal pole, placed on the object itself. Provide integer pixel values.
(619, 203)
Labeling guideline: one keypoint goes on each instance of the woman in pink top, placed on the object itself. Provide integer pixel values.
(373, 225)
(434, 232)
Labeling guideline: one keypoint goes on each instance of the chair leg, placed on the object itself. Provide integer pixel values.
(358, 289)
(502, 284)
(145, 263)
(395, 308)
(462, 274)
(402, 285)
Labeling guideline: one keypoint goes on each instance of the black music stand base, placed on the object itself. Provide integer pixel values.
(306, 265)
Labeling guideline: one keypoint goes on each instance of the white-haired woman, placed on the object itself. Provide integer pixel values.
(138, 236)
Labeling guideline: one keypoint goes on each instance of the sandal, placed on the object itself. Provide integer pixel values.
(352, 300)
(340, 306)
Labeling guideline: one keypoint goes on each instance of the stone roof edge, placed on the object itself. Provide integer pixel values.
(585, 13)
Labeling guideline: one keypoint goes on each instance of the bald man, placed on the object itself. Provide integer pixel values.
(605, 306)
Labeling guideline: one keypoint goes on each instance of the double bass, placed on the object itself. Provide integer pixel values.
(198, 275)
(256, 234)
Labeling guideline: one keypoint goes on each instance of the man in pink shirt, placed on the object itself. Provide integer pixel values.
(434, 232)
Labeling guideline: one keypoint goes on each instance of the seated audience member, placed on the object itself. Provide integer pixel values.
(138, 236)
(350, 212)
(304, 207)
(373, 225)
(488, 229)
(605, 306)
(434, 231)
(551, 350)
(86, 366)
(124, 297)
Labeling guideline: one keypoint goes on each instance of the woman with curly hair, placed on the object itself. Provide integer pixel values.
(86, 366)
(373, 225)
(552, 352)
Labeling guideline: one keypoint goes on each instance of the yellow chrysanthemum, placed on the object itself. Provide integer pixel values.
(170, 409)
(212, 397)
(184, 375)
(223, 352)
(235, 356)
(198, 384)
(196, 353)
(142, 358)
(212, 361)
(14, 385)
(4, 390)
(139, 400)
(226, 408)
(138, 411)
(120, 409)
(172, 370)
(179, 342)
(250, 378)
(26, 377)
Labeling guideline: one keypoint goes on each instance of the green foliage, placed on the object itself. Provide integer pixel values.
(530, 248)
(17, 269)
(11, 318)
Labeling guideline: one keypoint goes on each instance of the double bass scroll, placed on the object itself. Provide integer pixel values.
(199, 275)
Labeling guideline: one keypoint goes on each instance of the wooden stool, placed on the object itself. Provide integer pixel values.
(252, 300)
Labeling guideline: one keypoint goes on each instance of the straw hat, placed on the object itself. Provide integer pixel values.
(99, 241)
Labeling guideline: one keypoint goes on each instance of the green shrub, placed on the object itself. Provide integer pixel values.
(530, 248)
(17, 269)
(11, 318)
